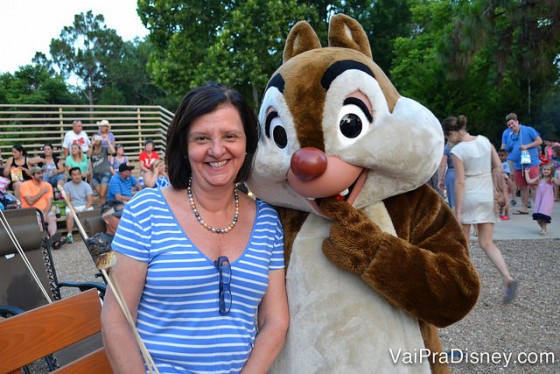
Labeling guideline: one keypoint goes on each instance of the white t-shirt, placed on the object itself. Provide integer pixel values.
(71, 137)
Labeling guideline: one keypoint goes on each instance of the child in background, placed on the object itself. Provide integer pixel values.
(544, 201)
(503, 210)
(556, 163)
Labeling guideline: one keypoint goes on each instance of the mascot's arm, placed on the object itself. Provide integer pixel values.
(425, 269)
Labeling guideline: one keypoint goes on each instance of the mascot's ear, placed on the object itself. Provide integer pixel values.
(345, 32)
(302, 38)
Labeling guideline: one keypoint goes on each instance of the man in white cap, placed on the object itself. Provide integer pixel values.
(36, 193)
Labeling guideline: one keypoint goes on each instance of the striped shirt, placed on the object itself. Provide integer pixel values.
(178, 313)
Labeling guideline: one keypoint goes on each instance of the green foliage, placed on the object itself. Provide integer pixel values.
(84, 50)
(236, 43)
(34, 84)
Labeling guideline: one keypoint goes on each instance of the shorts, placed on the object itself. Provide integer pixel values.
(79, 208)
(101, 178)
(520, 175)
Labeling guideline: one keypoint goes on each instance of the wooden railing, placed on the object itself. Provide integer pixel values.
(34, 125)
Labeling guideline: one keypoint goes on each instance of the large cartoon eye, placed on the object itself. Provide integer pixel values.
(275, 130)
(354, 118)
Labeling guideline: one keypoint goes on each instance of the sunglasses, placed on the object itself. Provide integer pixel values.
(224, 275)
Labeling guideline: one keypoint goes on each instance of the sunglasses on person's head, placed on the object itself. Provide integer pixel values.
(114, 212)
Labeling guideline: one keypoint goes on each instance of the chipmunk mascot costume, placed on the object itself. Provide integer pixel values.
(375, 258)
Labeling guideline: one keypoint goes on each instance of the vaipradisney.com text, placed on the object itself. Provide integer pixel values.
(458, 356)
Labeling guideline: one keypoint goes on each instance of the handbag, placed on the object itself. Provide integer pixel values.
(525, 157)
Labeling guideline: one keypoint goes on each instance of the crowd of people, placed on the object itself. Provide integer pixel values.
(88, 167)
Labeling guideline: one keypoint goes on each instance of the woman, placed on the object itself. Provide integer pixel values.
(53, 168)
(147, 156)
(100, 157)
(192, 276)
(157, 176)
(107, 137)
(77, 158)
(118, 159)
(446, 175)
(17, 168)
(476, 163)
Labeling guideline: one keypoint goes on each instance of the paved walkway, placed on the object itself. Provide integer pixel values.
(523, 226)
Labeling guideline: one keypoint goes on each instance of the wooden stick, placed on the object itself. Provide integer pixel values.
(113, 285)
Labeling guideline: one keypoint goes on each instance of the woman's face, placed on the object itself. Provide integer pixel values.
(217, 145)
(47, 150)
(16, 154)
(149, 147)
(76, 149)
(120, 151)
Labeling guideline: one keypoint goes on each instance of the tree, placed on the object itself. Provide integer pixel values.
(237, 43)
(84, 50)
(34, 84)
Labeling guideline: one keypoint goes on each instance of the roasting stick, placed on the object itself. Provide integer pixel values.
(106, 261)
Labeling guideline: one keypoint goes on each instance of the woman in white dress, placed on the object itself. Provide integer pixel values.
(476, 162)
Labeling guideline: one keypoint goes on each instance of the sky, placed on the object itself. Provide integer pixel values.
(27, 26)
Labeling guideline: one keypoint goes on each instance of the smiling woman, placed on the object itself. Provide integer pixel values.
(212, 256)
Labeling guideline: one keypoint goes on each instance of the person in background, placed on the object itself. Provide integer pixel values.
(476, 165)
(107, 137)
(111, 213)
(76, 135)
(147, 156)
(556, 162)
(53, 167)
(193, 276)
(544, 199)
(506, 134)
(446, 175)
(523, 138)
(80, 195)
(36, 193)
(156, 177)
(17, 168)
(123, 184)
(118, 159)
(77, 159)
(508, 185)
(100, 157)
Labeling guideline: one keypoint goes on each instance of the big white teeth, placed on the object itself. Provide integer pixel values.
(217, 164)
(345, 192)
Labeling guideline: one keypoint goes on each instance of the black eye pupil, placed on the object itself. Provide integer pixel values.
(280, 137)
(351, 125)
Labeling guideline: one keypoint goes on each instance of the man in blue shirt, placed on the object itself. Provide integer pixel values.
(522, 138)
(121, 184)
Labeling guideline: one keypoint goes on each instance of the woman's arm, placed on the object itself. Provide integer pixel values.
(459, 185)
(7, 167)
(441, 172)
(274, 319)
(120, 344)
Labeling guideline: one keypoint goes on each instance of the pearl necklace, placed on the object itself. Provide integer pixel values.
(204, 224)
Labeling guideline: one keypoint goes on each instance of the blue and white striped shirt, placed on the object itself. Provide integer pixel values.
(178, 314)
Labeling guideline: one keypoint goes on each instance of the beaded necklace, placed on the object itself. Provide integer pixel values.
(204, 224)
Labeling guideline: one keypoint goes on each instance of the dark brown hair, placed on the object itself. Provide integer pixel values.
(454, 124)
(196, 103)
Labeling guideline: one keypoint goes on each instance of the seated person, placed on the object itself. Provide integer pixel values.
(147, 156)
(111, 213)
(36, 193)
(157, 176)
(80, 197)
(121, 185)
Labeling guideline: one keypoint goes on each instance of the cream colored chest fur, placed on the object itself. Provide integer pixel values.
(338, 324)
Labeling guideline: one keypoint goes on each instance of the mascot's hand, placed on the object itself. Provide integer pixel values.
(354, 238)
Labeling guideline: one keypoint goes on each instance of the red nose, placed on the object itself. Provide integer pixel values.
(308, 163)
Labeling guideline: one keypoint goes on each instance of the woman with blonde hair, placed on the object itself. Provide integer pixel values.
(156, 177)
(478, 171)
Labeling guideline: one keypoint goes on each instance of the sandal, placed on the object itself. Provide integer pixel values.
(518, 212)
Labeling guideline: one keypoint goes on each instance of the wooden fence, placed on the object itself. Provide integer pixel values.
(34, 125)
